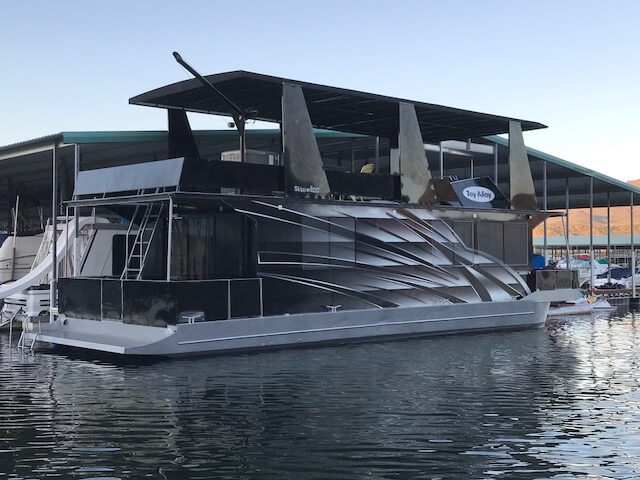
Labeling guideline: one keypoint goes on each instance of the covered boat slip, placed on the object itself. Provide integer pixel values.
(27, 168)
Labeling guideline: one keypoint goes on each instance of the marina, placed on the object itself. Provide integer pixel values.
(344, 240)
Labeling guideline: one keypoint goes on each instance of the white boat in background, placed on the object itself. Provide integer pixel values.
(602, 303)
(17, 254)
(584, 268)
(28, 297)
(581, 306)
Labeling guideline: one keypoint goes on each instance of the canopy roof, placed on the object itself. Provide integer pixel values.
(329, 107)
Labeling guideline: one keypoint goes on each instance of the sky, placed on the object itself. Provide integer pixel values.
(571, 65)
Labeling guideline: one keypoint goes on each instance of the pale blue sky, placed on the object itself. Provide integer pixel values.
(572, 65)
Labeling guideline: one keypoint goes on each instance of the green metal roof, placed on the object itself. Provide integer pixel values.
(141, 136)
(161, 135)
(570, 165)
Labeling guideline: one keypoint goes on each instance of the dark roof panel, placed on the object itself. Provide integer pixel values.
(329, 107)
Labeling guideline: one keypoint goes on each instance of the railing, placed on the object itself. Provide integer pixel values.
(159, 303)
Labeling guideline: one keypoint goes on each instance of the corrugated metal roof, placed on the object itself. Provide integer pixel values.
(569, 165)
(34, 141)
(124, 136)
(161, 135)
(583, 240)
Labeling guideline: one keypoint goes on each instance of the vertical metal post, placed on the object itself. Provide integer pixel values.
(566, 210)
(15, 234)
(377, 157)
(633, 251)
(609, 237)
(495, 164)
(169, 237)
(67, 264)
(53, 297)
(76, 235)
(470, 158)
(592, 278)
(243, 142)
(353, 156)
(441, 153)
(544, 206)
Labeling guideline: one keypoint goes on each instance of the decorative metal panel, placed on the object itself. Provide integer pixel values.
(389, 256)
(414, 169)
(304, 175)
(523, 192)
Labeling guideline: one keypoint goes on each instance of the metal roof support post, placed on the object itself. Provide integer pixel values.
(566, 211)
(591, 284)
(633, 250)
(377, 157)
(495, 164)
(353, 156)
(169, 237)
(15, 234)
(441, 154)
(544, 206)
(609, 237)
(243, 143)
(76, 235)
(470, 158)
(53, 294)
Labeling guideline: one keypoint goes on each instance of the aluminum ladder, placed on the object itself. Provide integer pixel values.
(8, 319)
(148, 222)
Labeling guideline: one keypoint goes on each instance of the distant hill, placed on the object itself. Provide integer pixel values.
(579, 221)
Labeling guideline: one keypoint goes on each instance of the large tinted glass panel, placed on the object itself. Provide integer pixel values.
(516, 237)
(490, 238)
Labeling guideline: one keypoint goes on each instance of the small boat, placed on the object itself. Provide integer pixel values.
(601, 303)
(579, 307)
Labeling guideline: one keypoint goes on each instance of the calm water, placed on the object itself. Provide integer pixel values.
(559, 402)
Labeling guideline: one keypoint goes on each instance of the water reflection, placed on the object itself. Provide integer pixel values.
(556, 402)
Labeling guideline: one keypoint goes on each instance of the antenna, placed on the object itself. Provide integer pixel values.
(238, 114)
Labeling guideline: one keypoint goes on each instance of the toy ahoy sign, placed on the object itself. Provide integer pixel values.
(478, 194)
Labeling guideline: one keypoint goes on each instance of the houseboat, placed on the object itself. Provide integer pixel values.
(239, 253)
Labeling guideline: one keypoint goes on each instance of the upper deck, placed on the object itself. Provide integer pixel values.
(298, 107)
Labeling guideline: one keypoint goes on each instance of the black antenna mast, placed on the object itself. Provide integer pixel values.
(238, 114)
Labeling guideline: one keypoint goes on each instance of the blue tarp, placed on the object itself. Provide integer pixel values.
(538, 261)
